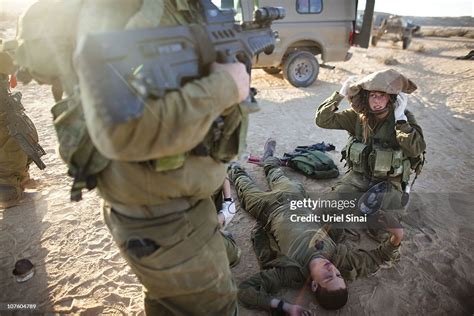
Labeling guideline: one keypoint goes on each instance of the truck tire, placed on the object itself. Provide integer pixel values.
(406, 42)
(374, 40)
(272, 70)
(300, 68)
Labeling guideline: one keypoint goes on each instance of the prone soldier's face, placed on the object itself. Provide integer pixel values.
(326, 275)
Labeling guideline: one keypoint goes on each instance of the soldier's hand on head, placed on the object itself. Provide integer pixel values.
(400, 107)
(239, 73)
(345, 86)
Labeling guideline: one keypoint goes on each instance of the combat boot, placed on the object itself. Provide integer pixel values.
(268, 149)
(9, 196)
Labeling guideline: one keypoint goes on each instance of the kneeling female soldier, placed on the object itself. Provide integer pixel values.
(385, 141)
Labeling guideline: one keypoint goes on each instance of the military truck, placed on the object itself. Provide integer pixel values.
(401, 29)
(310, 28)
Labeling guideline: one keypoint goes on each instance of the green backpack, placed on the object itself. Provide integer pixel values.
(312, 163)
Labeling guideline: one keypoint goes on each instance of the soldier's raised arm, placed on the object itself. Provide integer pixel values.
(326, 116)
(410, 136)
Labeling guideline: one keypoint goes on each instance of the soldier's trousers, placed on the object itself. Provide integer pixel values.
(261, 204)
(13, 160)
(180, 259)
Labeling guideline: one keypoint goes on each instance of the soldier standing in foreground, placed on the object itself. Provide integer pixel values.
(156, 183)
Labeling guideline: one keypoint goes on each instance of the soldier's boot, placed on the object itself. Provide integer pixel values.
(269, 149)
(9, 195)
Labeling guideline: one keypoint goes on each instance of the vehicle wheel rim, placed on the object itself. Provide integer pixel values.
(301, 70)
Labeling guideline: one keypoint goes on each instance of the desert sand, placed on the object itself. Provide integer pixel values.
(79, 269)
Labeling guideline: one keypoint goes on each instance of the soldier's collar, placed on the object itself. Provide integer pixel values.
(182, 5)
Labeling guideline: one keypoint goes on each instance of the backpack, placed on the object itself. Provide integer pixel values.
(312, 163)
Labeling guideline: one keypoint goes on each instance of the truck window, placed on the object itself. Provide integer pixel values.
(309, 6)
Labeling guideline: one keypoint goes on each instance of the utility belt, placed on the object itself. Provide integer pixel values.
(177, 205)
(377, 161)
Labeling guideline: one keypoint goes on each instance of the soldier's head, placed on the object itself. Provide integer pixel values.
(329, 287)
(373, 102)
(379, 101)
(375, 93)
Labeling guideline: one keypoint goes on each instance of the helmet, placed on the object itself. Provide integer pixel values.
(389, 81)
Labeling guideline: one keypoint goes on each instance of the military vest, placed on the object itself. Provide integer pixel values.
(381, 156)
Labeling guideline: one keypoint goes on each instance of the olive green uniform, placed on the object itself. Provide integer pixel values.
(157, 191)
(285, 248)
(387, 134)
(14, 163)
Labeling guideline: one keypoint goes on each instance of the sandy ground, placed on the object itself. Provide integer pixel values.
(79, 269)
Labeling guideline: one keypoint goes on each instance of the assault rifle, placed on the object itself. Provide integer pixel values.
(128, 67)
(19, 125)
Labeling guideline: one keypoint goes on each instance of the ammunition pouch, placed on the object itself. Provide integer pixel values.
(225, 139)
(357, 156)
(378, 161)
(233, 136)
(75, 146)
(385, 162)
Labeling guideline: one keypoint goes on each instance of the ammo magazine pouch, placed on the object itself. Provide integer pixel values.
(379, 161)
(224, 140)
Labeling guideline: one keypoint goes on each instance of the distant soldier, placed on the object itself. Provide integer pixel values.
(18, 140)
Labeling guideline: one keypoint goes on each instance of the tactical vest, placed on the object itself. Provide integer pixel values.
(381, 157)
(225, 139)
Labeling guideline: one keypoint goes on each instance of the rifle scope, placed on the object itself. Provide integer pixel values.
(267, 14)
